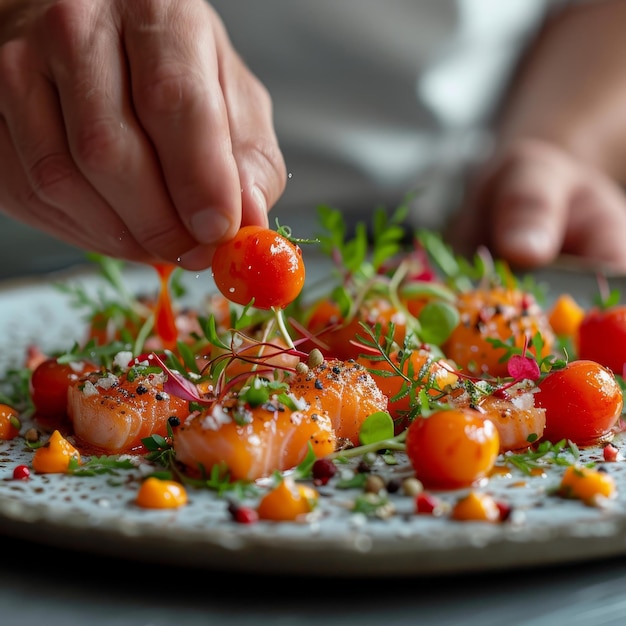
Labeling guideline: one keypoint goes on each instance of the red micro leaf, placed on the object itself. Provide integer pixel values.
(523, 368)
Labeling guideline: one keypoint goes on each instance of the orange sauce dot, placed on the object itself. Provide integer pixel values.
(155, 493)
(586, 484)
(288, 501)
(500, 470)
(55, 456)
(476, 506)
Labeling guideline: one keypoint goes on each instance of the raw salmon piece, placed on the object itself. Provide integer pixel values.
(273, 438)
(111, 414)
(345, 391)
(518, 420)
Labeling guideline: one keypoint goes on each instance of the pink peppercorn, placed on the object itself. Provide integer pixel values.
(611, 453)
(323, 470)
(426, 503)
(21, 472)
(243, 514)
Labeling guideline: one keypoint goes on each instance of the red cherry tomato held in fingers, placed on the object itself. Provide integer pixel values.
(602, 337)
(259, 263)
(49, 383)
(452, 448)
(583, 402)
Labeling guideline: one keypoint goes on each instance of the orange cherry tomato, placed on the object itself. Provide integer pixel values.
(602, 337)
(497, 313)
(327, 324)
(49, 384)
(452, 448)
(583, 402)
(9, 422)
(424, 369)
(252, 354)
(259, 263)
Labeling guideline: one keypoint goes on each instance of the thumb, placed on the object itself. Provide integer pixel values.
(528, 210)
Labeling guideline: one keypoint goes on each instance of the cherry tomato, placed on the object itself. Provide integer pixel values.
(497, 313)
(327, 324)
(254, 354)
(422, 366)
(49, 383)
(259, 263)
(583, 402)
(9, 423)
(602, 337)
(452, 448)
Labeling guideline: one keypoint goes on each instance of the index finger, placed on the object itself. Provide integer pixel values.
(171, 48)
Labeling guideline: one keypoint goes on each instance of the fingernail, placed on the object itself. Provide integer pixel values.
(526, 244)
(209, 225)
(261, 205)
(528, 237)
(259, 199)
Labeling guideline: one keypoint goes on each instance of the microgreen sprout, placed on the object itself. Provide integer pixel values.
(545, 453)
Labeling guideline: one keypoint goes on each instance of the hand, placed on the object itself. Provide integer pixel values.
(535, 201)
(132, 129)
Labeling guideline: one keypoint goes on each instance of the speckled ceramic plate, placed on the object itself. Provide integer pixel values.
(98, 515)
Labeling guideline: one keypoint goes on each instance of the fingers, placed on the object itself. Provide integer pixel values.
(40, 179)
(262, 170)
(528, 206)
(597, 223)
(18, 200)
(105, 138)
(535, 201)
(209, 120)
(141, 119)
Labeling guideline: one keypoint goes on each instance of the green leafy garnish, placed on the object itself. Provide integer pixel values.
(376, 427)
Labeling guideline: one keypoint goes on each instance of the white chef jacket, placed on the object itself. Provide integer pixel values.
(375, 98)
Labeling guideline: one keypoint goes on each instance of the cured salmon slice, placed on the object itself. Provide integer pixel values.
(343, 390)
(252, 443)
(112, 414)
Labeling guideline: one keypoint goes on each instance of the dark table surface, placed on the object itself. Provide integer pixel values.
(43, 585)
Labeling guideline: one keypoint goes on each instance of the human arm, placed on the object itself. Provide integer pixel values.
(554, 183)
(132, 129)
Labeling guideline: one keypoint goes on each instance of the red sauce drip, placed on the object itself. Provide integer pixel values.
(164, 318)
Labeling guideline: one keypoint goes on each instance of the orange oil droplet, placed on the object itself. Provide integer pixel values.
(500, 470)
(164, 318)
